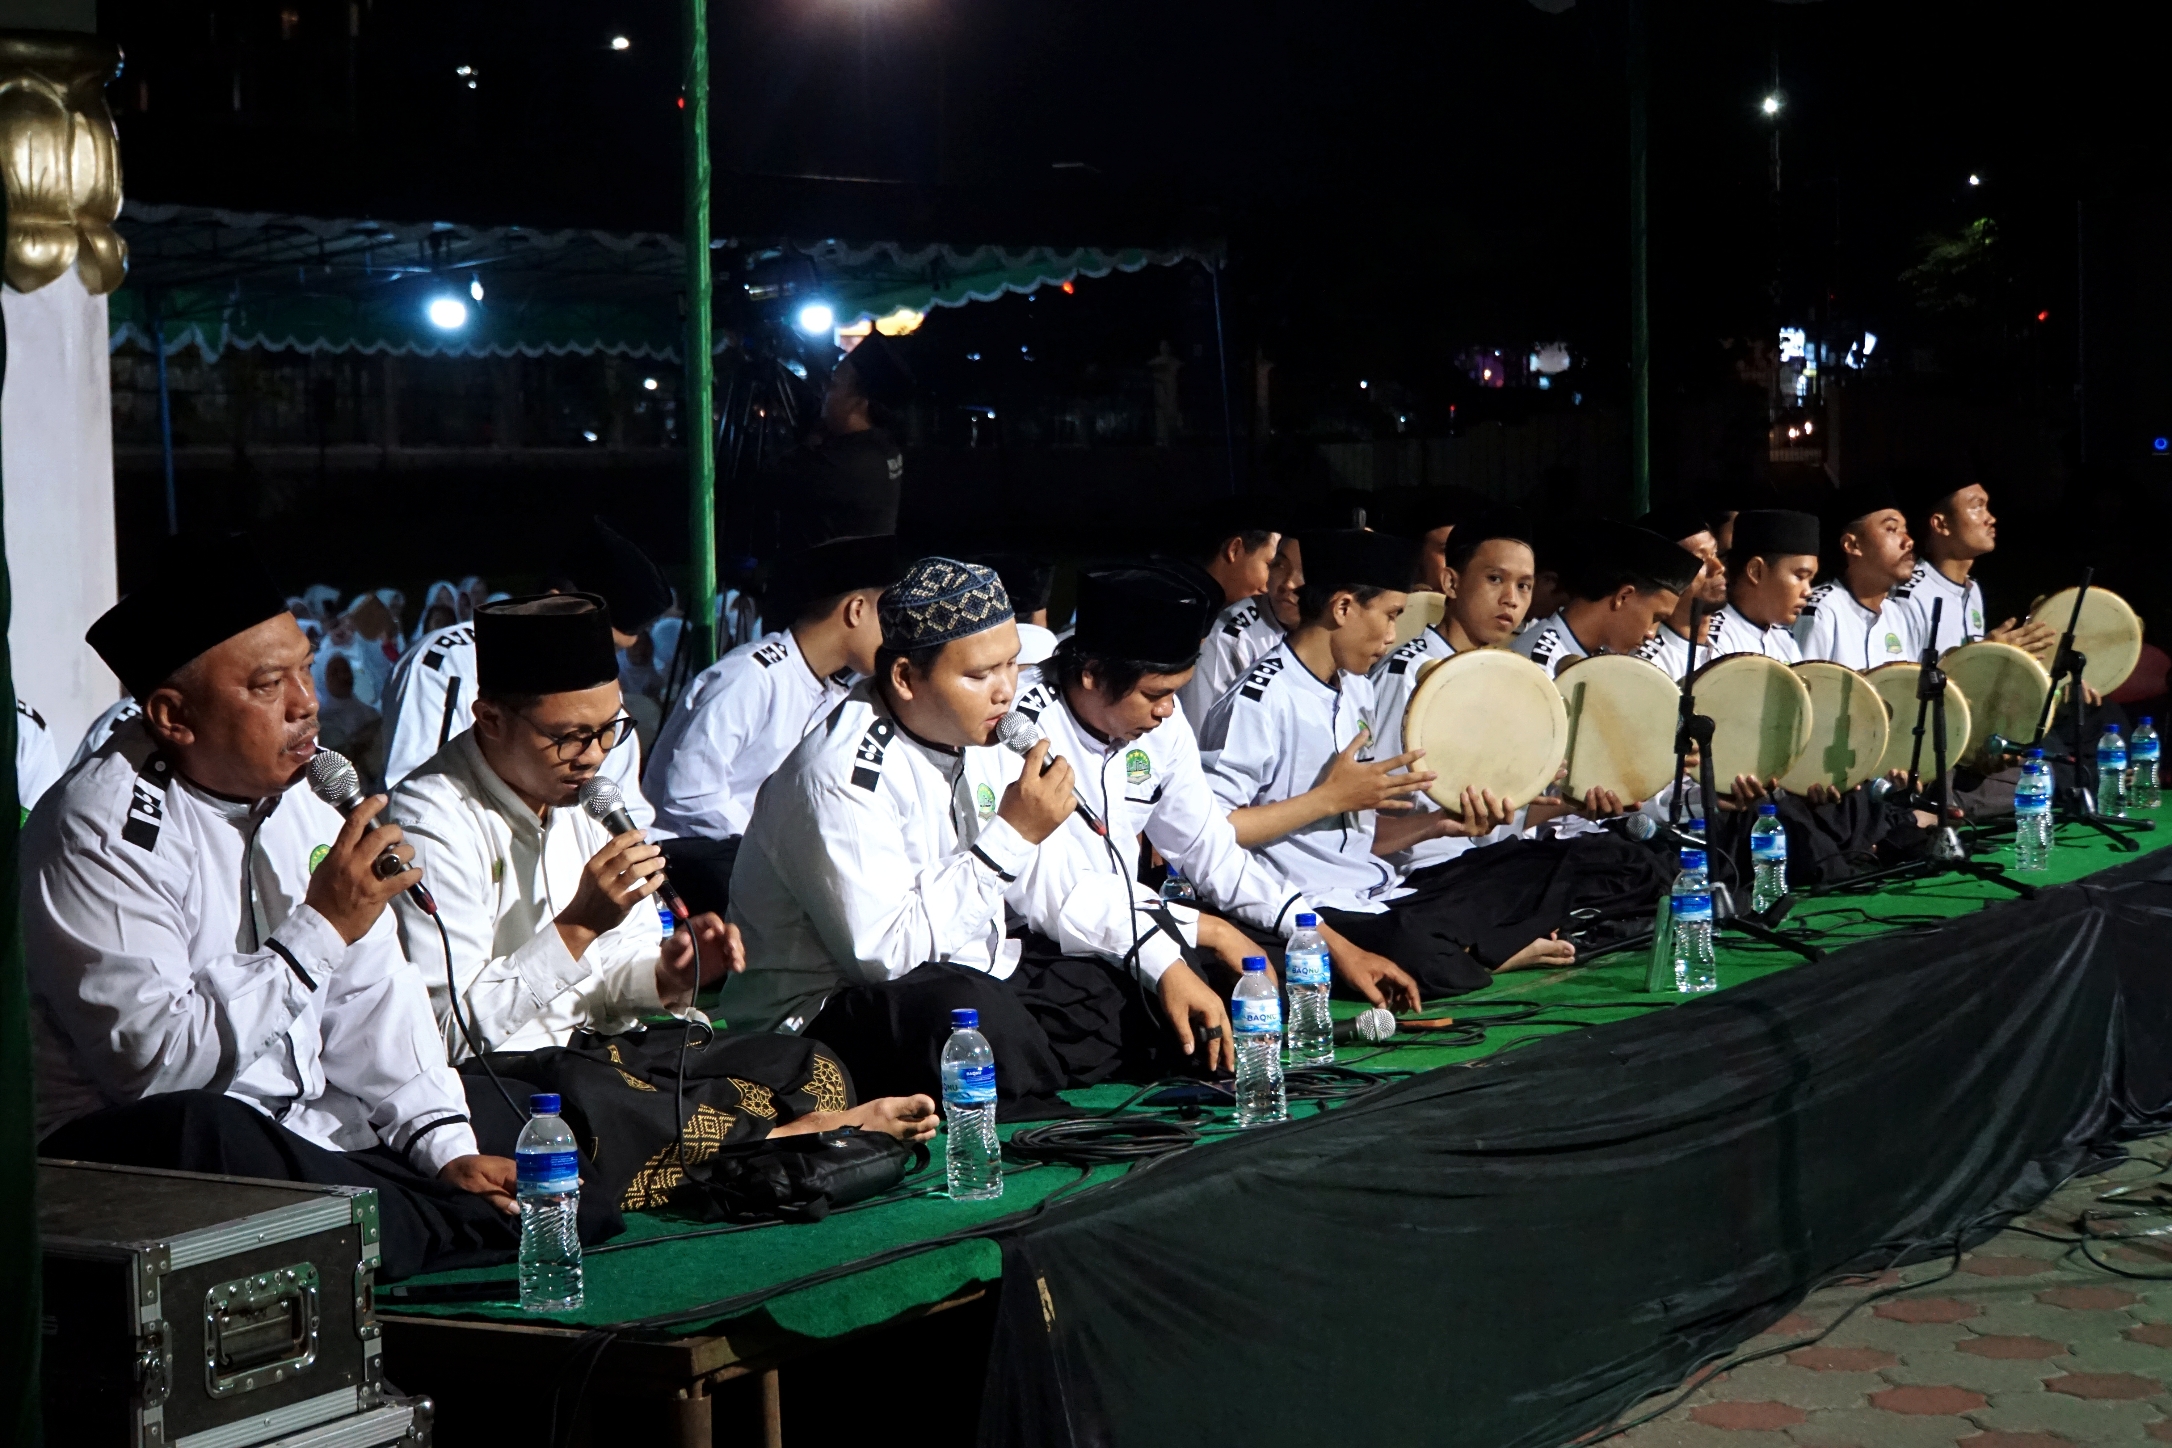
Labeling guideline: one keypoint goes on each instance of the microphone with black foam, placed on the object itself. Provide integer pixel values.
(332, 778)
(1642, 827)
(1019, 734)
(1373, 1024)
(600, 797)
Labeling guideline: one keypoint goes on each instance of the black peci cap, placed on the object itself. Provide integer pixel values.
(547, 643)
(1142, 615)
(1603, 556)
(200, 592)
(610, 565)
(827, 570)
(1349, 558)
(1675, 523)
(1511, 523)
(1028, 578)
(1775, 533)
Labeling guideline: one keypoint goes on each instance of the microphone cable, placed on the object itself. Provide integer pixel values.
(475, 1048)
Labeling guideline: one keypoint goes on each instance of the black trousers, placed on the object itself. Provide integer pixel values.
(425, 1224)
(1058, 1022)
(702, 869)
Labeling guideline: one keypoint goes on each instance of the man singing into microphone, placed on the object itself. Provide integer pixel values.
(870, 882)
(217, 985)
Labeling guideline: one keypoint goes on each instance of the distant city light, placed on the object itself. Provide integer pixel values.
(1974, 179)
(816, 318)
(1794, 432)
(463, 70)
(1794, 343)
(475, 288)
(620, 42)
(1808, 428)
(1545, 382)
(590, 436)
(648, 384)
(2043, 316)
(1770, 105)
(448, 313)
(1363, 384)
(972, 356)
(2162, 444)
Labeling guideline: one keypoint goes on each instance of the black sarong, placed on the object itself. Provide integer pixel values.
(425, 1225)
(1826, 843)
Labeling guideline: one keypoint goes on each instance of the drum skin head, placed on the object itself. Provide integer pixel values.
(1760, 713)
(1896, 684)
(1486, 718)
(1419, 614)
(2109, 636)
(2006, 689)
(1622, 712)
(1848, 728)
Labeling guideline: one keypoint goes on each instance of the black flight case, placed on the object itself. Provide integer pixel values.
(192, 1311)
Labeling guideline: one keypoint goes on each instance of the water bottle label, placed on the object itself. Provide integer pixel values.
(1256, 1016)
(549, 1171)
(1305, 967)
(1768, 847)
(971, 1086)
(2032, 804)
(2143, 751)
(1693, 909)
(2111, 759)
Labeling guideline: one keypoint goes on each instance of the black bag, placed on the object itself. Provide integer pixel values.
(795, 1178)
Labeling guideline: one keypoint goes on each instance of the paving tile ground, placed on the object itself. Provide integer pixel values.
(2028, 1345)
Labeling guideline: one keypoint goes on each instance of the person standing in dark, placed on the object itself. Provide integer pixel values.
(847, 480)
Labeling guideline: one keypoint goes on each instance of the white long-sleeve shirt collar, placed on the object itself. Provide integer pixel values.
(1551, 644)
(171, 949)
(1835, 625)
(1733, 633)
(1962, 617)
(501, 874)
(869, 853)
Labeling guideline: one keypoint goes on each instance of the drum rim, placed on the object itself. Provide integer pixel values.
(1429, 684)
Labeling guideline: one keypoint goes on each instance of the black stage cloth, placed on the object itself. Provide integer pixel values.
(1509, 1255)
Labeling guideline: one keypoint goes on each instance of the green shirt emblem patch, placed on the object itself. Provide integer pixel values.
(1138, 769)
(316, 857)
(1892, 643)
(984, 799)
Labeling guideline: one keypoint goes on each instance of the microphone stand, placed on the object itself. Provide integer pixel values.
(2077, 804)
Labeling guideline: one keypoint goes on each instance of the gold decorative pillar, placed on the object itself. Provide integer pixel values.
(60, 161)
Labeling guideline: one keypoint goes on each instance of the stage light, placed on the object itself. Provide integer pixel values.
(648, 384)
(1771, 104)
(816, 318)
(1363, 384)
(475, 288)
(590, 436)
(1974, 179)
(448, 313)
(620, 42)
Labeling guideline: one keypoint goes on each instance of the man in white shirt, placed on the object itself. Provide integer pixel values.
(431, 694)
(37, 762)
(1620, 581)
(1229, 541)
(1288, 752)
(1669, 646)
(217, 984)
(1954, 529)
(744, 713)
(1769, 574)
(1853, 617)
(870, 884)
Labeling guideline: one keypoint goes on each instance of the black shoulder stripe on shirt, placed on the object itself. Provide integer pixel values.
(147, 806)
(868, 772)
(1263, 673)
(433, 660)
(294, 965)
(773, 652)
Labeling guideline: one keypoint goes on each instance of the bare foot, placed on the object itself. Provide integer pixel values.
(908, 1118)
(1540, 954)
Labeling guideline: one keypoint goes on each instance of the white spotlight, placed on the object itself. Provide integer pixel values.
(449, 313)
(475, 288)
(1770, 105)
(620, 42)
(648, 384)
(816, 318)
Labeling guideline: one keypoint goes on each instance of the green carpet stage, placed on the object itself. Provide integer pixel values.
(741, 1296)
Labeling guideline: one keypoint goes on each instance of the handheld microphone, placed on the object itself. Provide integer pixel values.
(1376, 1023)
(332, 778)
(600, 797)
(1643, 828)
(1019, 734)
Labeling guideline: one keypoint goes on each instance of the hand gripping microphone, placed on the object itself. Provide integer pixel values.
(601, 799)
(333, 779)
(1019, 734)
(1376, 1023)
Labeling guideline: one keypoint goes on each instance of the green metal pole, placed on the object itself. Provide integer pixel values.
(700, 365)
(1640, 320)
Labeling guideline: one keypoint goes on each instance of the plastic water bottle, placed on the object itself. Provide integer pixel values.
(549, 1169)
(1695, 970)
(1177, 890)
(2112, 773)
(2032, 814)
(2142, 791)
(971, 1154)
(1311, 1036)
(1256, 1012)
(1768, 853)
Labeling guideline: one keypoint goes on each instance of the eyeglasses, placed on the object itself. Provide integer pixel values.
(572, 745)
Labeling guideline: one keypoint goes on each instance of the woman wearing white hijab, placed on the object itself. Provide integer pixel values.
(440, 611)
(364, 656)
(472, 592)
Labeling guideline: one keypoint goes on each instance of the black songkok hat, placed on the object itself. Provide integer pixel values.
(1208, 524)
(1604, 555)
(1028, 578)
(1774, 533)
(200, 593)
(1341, 558)
(1511, 523)
(940, 600)
(1142, 615)
(884, 378)
(609, 564)
(842, 565)
(547, 643)
(1675, 523)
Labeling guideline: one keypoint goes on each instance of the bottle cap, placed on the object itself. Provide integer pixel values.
(965, 1018)
(1306, 920)
(1692, 859)
(2111, 728)
(544, 1103)
(2036, 754)
(1768, 809)
(2145, 720)
(1255, 962)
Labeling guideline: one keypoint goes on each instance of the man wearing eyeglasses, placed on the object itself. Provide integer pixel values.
(547, 916)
